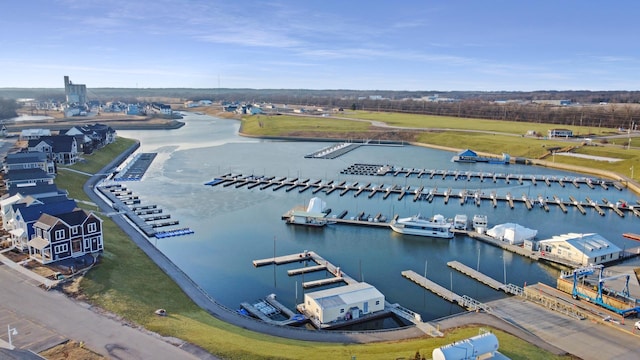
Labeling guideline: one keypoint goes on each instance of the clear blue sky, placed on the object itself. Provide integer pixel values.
(323, 44)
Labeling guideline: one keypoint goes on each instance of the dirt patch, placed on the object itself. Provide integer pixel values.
(71, 350)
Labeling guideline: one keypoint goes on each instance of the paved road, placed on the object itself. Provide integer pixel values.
(46, 318)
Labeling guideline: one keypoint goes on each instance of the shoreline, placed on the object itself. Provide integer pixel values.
(629, 183)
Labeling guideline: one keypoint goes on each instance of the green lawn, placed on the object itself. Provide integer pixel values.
(127, 283)
(508, 137)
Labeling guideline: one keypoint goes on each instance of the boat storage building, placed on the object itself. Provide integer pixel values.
(343, 302)
(584, 249)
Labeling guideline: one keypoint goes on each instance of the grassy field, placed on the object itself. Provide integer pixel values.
(449, 122)
(127, 283)
(508, 137)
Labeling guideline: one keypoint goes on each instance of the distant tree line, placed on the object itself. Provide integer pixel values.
(8, 108)
(610, 109)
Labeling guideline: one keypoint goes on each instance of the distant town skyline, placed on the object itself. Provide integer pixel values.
(360, 45)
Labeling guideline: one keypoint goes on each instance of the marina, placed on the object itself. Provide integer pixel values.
(477, 197)
(219, 214)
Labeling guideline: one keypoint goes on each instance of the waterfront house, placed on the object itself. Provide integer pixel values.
(28, 160)
(343, 303)
(91, 137)
(67, 235)
(582, 249)
(25, 177)
(61, 149)
(24, 213)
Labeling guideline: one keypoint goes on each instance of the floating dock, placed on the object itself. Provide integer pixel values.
(462, 300)
(476, 275)
(477, 196)
(121, 200)
(322, 264)
(135, 170)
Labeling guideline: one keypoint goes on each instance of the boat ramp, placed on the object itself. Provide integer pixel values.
(473, 197)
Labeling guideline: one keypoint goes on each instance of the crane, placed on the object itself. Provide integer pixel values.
(576, 292)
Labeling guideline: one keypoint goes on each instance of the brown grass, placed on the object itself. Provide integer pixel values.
(70, 350)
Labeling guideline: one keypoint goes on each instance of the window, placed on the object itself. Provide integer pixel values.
(603, 257)
(62, 248)
(341, 311)
(59, 234)
(92, 228)
(377, 302)
(74, 230)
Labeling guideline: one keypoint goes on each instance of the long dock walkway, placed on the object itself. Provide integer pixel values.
(418, 194)
(462, 300)
(432, 286)
(476, 275)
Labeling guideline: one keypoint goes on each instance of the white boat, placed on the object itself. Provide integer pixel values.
(314, 215)
(460, 222)
(480, 223)
(437, 226)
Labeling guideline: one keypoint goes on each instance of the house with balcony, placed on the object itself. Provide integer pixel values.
(66, 235)
(60, 148)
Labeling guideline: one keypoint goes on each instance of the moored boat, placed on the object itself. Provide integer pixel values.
(437, 226)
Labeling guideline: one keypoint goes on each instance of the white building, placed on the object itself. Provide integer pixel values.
(514, 234)
(343, 303)
(560, 133)
(581, 249)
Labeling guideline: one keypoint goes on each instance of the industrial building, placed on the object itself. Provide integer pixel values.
(583, 249)
(343, 303)
(75, 93)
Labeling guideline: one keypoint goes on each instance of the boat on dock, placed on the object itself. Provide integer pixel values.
(460, 222)
(480, 223)
(314, 215)
(271, 311)
(437, 226)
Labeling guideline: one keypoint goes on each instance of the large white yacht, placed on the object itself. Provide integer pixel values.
(437, 226)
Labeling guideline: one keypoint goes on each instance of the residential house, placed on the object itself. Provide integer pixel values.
(15, 178)
(26, 212)
(61, 149)
(67, 235)
(32, 134)
(29, 160)
(37, 190)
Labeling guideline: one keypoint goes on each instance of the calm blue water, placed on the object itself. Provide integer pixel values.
(235, 226)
